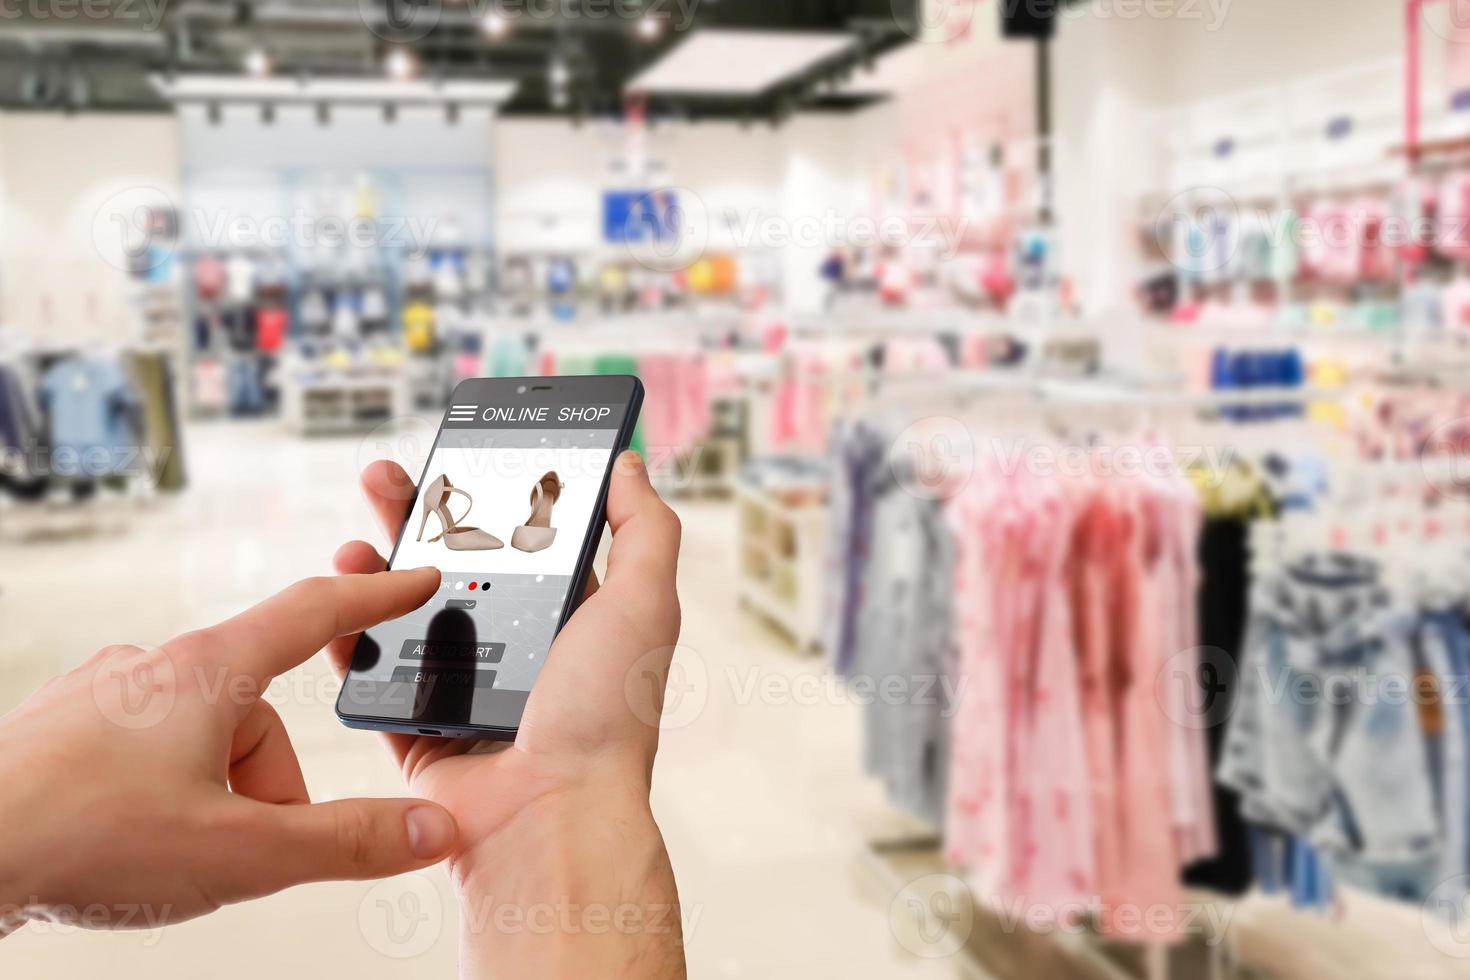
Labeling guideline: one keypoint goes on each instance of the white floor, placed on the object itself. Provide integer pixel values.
(763, 804)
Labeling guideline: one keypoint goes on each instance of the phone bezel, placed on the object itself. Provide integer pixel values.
(591, 388)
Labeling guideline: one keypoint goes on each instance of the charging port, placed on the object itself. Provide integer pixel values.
(429, 731)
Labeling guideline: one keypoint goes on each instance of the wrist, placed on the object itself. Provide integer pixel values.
(21, 850)
(545, 843)
(578, 884)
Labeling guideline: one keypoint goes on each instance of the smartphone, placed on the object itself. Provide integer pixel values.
(510, 509)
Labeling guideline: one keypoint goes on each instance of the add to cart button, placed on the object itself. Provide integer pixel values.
(452, 652)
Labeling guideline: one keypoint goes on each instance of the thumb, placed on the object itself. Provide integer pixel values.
(348, 840)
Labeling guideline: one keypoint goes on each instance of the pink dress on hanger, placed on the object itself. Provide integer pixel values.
(1055, 866)
(978, 819)
(1148, 859)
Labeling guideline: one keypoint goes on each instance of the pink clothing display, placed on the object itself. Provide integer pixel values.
(1068, 783)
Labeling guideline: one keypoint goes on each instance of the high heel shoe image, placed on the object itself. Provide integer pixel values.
(455, 538)
(537, 534)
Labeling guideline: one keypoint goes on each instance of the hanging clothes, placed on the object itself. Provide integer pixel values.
(92, 413)
(162, 437)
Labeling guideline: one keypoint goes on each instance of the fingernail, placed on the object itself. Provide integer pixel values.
(632, 461)
(430, 832)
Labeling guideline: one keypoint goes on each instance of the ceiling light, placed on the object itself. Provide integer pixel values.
(399, 63)
(649, 27)
(257, 63)
(495, 25)
(558, 74)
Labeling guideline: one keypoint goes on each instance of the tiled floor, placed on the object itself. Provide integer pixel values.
(762, 804)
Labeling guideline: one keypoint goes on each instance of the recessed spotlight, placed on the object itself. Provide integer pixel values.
(649, 27)
(399, 64)
(495, 25)
(558, 74)
(257, 63)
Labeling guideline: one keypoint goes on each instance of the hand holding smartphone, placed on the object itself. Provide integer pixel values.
(510, 508)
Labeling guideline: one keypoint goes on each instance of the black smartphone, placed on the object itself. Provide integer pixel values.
(510, 509)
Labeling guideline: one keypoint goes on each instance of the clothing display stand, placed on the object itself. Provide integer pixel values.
(343, 400)
(782, 537)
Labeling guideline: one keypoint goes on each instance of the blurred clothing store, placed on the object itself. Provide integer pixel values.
(1067, 405)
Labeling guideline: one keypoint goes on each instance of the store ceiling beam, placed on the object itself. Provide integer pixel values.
(283, 91)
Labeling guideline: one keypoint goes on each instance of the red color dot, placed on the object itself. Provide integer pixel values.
(474, 586)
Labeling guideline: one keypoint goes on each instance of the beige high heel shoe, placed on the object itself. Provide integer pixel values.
(455, 538)
(537, 534)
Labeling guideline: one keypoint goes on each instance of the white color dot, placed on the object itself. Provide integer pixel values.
(516, 622)
(458, 586)
(541, 578)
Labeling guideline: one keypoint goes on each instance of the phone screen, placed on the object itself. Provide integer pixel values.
(509, 509)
